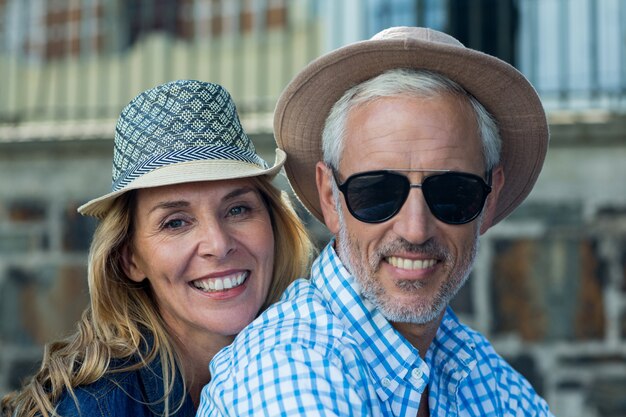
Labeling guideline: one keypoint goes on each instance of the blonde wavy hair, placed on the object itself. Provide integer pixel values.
(122, 311)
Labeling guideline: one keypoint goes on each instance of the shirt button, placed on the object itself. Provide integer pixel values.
(417, 373)
(386, 382)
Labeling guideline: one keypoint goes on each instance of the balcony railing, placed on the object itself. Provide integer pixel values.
(68, 67)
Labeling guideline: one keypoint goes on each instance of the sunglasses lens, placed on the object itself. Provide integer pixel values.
(377, 196)
(455, 198)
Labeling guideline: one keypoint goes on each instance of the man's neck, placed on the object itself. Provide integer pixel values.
(419, 335)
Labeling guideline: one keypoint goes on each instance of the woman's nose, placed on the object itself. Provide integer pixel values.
(215, 240)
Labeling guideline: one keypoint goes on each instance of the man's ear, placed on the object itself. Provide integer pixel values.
(323, 178)
(497, 183)
(132, 270)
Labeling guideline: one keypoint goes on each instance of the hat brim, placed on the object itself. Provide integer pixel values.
(303, 107)
(185, 172)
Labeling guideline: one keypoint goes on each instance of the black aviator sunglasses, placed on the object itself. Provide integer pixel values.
(452, 197)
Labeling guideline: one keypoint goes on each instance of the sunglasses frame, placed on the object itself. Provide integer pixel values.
(486, 188)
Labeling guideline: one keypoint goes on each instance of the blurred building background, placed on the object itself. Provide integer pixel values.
(549, 288)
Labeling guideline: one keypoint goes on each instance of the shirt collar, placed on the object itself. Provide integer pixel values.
(392, 359)
(453, 352)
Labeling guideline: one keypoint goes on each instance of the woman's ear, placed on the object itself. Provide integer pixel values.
(132, 270)
(323, 178)
(497, 183)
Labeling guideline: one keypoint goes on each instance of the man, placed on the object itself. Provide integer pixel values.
(408, 146)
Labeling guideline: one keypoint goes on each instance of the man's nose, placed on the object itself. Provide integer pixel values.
(414, 222)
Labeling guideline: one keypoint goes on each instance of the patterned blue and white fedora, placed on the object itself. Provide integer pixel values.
(178, 132)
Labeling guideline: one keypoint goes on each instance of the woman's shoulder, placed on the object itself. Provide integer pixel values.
(111, 393)
(135, 392)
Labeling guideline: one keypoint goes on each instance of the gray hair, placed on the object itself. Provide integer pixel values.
(405, 82)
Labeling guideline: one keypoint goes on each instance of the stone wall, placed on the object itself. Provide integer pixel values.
(43, 245)
(549, 286)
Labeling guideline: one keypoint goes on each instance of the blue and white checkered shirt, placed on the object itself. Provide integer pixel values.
(324, 351)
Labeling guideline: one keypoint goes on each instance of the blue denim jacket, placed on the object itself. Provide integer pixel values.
(135, 393)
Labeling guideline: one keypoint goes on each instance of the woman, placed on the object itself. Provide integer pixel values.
(193, 242)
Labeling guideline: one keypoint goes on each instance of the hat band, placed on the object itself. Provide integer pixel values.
(185, 155)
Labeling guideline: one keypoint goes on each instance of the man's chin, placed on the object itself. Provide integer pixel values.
(407, 311)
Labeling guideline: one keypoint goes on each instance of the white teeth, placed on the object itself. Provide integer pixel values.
(220, 284)
(405, 263)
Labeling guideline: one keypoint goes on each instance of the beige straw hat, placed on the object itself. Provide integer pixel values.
(306, 102)
(178, 132)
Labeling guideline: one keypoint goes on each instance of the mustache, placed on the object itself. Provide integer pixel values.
(430, 248)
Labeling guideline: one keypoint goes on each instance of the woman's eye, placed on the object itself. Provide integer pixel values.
(238, 211)
(173, 224)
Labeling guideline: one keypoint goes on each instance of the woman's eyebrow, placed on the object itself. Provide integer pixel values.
(174, 204)
(238, 192)
(165, 205)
